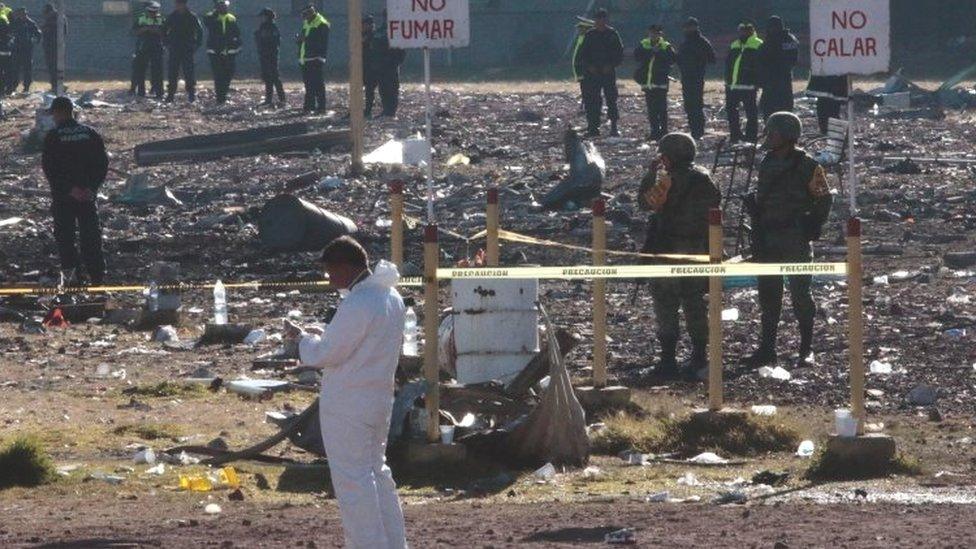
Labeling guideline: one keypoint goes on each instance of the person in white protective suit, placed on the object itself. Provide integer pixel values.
(358, 353)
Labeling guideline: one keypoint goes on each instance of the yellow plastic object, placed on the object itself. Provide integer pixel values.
(228, 477)
(196, 483)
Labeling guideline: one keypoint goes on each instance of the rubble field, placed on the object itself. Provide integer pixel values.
(91, 392)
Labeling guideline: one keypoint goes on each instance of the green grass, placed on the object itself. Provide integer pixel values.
(826, 467)
(150, 431)
(167, 389)
(24, 462)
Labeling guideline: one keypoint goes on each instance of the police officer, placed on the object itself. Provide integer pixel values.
(694, 56)
(599, 56)
(582, 26)
(777, 57)
(741, 82)
(184, 36)
(25, 34)
(680, 199)
(381, 69)
(49, 30)
(654, 56)
(148, 30)
(268, 40)
(313, 47)
(6, 53)
(75, 164)
(831, 94)
(789, 209)
(223, 45)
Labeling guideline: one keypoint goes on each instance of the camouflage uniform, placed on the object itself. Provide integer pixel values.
(681, 201)
(791, 203)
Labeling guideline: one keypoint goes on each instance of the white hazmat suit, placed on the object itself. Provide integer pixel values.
(358, 354)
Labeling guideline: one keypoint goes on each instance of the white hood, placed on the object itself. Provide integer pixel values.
(384, 275)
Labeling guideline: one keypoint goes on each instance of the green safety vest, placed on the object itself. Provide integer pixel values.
(752, 43)
(307, 28)
(5, 14)
(223, 18)
(661, 46)
(576, 48)
(146, 21)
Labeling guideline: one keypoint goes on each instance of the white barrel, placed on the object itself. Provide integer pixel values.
(496, 330)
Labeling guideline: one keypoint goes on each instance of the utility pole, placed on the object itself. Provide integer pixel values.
(62, 23)
(357, 101)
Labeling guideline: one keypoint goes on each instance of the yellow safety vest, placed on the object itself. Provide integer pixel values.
(307, 28)
(661, 46)
(752, 43)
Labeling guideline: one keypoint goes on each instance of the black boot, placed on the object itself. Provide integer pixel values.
(614, 132)
(696, 369)
(667, 364)
(805, 357)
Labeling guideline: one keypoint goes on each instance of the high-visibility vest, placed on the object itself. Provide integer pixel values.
(147, 21)
(751, 43)
(662, 45)
(307, 28)
(576, 49)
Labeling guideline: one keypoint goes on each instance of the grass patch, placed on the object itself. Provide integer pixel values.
(150, 431)
(24, 462)
(826, 467)
(167, 389)
(727, 434)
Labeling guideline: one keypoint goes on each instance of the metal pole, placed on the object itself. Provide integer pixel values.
(851, 176)
(357, 101)
(491, 228)
(396, 217)
(856, 320)
(59, 88)
(715, 397)
(431, 321)
(430, 142)
(599, 295)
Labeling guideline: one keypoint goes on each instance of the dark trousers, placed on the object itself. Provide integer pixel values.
(6, 72)
(271, 77)
(687, 294)
(389, 88)
(51, 60)
(182, 61)
(148, 59)
(596, 90)
(747, 99)
(827, 109)
(72, 219)
(23, 69)
(693, 94)
(785, 248)
(223, 72)
(313, 73)
(776, 97)
(657, 111)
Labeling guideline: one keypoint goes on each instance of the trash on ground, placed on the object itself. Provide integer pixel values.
(805, 449)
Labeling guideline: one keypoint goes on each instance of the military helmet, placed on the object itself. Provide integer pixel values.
(786, 124)
(679, 147)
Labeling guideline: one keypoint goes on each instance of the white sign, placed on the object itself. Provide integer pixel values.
(849, 37)
(428, 23)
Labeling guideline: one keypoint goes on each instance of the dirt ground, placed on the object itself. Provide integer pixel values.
(92, 424)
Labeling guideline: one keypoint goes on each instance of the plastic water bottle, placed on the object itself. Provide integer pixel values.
(220, 303)
(152, 296)
(410, 333)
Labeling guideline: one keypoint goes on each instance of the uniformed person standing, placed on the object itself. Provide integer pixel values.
(789, 209)
(268, 40)
(75, 164)
(223, 45)
(26, 35)
(313, 48)
(680, 199)
(582, 26)
(777, 57)
(6, 53)
(654, 56)
(148, 30)
(694, 56)
(184, 36)
(741, 83)
(381, 69)
(599, 56)
(831, 94)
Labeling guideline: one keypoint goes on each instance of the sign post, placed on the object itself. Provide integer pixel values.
(59, 88)
(426, 24)
(357, 101)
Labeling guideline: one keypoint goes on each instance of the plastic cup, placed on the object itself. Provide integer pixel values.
(447, 434)
(845, 423)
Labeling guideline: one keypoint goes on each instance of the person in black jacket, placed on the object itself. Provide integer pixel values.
(741, 83)
(694, 56)
(25, 34)
(777, 57)
(381, 69)
(6, 54)
(148, 29)
(268, 40)
(654, 56)
(599, 55)
(831, 94)
(223, 45)
(313, 47)
(49, 31)
(75, 164)
(184, 36)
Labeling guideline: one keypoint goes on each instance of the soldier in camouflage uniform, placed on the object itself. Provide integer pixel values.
(789, 209)
(680, 200)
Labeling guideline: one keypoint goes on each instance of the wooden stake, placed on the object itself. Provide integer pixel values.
(431, 325)
(715, 397)
(599, 295)
(59, 79)
(357, 101)
(856, 320)
(491, 226)
(396, 217)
